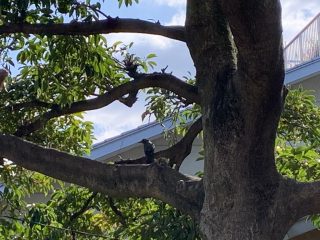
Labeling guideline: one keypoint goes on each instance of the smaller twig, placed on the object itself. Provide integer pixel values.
(73, 235)
(283, 135)
(163, 70)
(120, 215)
(31, 104)
(75, 215)
(93, 9)
(84, 208)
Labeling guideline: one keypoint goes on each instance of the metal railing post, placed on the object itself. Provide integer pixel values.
(318, 36)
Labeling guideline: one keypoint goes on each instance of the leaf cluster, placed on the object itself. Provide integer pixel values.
(48, 11)
(298, 142)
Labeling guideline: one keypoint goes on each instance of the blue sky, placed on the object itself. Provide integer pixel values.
(117, 118)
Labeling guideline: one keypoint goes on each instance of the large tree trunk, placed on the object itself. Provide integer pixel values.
(240, 83)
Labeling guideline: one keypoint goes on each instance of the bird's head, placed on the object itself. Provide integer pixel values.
(144, 141)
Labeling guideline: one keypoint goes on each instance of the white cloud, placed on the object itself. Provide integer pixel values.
(141, 40)
(178, 19)
(172, 3)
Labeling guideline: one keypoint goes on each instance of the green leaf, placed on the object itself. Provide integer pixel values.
(151, 55)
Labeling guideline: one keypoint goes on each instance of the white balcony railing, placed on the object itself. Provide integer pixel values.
(305, 46)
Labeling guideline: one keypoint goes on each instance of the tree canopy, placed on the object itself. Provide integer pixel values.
(62, 65)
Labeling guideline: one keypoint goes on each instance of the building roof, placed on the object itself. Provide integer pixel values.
(302, 72)
(129, 139)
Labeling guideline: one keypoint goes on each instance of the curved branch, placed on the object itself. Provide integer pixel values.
(178, 152)
(114, 180)
(83, 209)
(117, 212)
(162, 80)
(130, 99)
(109, 25)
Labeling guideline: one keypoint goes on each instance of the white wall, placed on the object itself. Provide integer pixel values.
(312, 83)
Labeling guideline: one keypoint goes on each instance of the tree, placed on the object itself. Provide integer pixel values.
(67, 68)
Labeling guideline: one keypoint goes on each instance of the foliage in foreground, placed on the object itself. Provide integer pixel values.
(76, 212)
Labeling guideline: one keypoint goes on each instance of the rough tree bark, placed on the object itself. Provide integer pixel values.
(236, 47)
(240, 77)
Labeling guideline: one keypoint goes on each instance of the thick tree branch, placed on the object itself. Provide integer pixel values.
(162, 80)
(176, 153)
(110, 25)
(114, 180)
(307, 198)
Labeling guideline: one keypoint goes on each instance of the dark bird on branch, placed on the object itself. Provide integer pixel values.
(148, 147)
